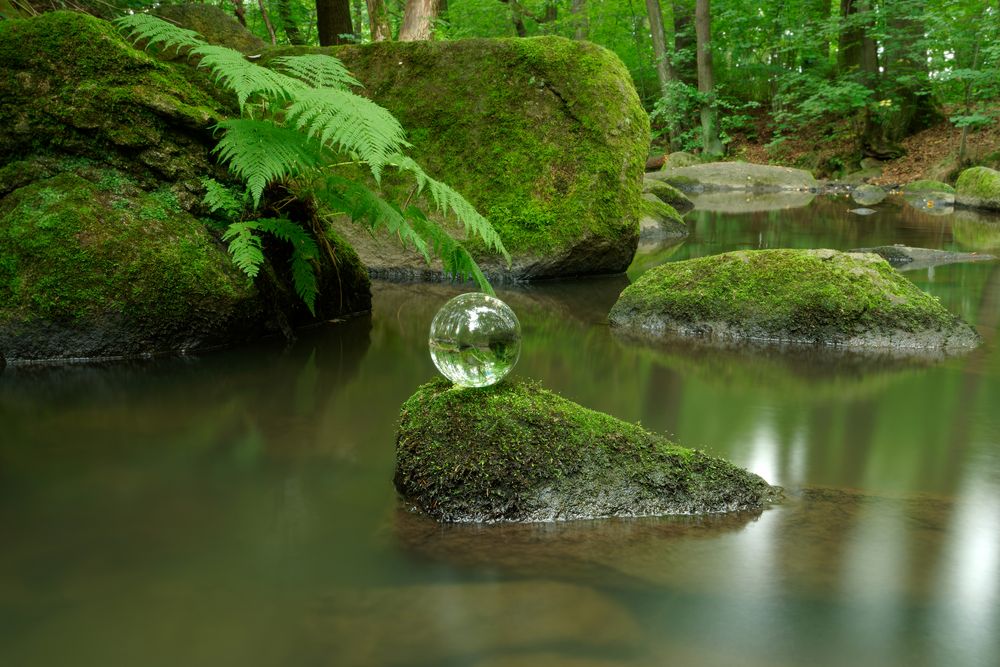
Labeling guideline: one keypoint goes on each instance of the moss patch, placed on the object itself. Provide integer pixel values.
(928, 186)
(516, 452)
(545, 136)
(668, 194)
(816, 296)
(979, 187)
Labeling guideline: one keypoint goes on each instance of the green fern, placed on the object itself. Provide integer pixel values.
(219, 198)
(297, 120)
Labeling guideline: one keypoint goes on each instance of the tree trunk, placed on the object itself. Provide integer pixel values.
(711, 143)
(333, 19)
(684, 42)
(292, 32)
(418, 19)
(663, 69)
(906, 72)
(581, 22)
(378, 20)
(267, 21)
(241, 12)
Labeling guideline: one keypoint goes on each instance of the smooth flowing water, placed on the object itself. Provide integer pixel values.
(237, 508)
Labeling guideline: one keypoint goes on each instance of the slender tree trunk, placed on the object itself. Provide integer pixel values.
(581, 22)
(664, 73)
(418, 19)
(378, 20)
(333, 19)
(241, 12)
(684, 42)
(968, 106)
(267, 21)
(292, 32)
(712, 145)
(358, 17)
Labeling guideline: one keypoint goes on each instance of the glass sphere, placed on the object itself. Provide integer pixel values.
(475, 340)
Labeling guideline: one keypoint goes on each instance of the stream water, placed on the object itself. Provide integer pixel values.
(237, 508)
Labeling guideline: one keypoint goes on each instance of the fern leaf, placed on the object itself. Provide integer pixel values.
(220, 198)
(244, 247)
(318, 71)
(448, 200)
(347, 122)
(455, 259)
(259, 152)
(233, 71)
(304, 253)
(139, 27)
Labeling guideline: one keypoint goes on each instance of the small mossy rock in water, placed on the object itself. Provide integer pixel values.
(214, 25)
(659, 220)
(868, 195)
(736, 176)
(927, 185)
(680, 159)
(545, 136)
(796, 296)
(99, 269)
(516, 452)
(906, 258)
(978, 187)
(71, 86)
(668, 194)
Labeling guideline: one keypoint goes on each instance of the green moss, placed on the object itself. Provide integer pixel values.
(515, 451)
(805, 295)
(979, 182)
(545, 136)
(74, 250)
(667, 193)
(928, 186)
(659, 210)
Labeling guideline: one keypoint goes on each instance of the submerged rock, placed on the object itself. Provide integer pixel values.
(668, 194)
(863, 211)
(736, 176)
(516, 452)
(545, 136)
(978, 187)
(797, 296)
(868, 195)
(906, 258)
(659, 220)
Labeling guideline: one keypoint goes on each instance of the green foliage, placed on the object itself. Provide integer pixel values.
(297, 123)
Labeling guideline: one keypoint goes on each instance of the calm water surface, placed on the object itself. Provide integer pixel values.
(237, 508)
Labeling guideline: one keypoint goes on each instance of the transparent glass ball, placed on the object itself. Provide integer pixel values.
(475, 340)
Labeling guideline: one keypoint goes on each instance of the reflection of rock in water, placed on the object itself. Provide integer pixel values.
(931, 203)
(749, 202)
(868, 195)
(622, 552)
(976, 230)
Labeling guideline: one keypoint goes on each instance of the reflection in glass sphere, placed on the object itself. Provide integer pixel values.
(475, 340)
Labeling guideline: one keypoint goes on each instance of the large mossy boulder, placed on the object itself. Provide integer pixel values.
(213, 24)
(102, 268)
(978, 187)
(545, 136)
(736, 176)
(796, 296)
(516, 452)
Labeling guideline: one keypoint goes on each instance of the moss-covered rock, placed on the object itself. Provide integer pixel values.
(99, 268)
(213, 24)
(658, 220)
(680, 159)
(545, 136)
(667, 193)
(868, 195)
(798, 296)
(737, 176)
(927, 185)
(978, 187)
(516, 452)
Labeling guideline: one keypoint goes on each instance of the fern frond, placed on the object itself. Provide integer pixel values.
(455, 259)
(304, 253)
(347, 122)
(448, 200)
(138, 27)
(346, 196)
(220, 198)
(233, 71)
(258, 151)
(317, 70)
(244, 247)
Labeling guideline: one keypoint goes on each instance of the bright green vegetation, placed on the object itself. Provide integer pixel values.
(815, 296)
(667, 193)
(979, 187)
(659, 210)
(516, 452)
(545, 136)
(928, 186)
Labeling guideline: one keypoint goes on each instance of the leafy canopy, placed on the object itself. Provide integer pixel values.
(299, 122)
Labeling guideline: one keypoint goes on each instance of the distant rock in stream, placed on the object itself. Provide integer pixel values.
(910, 259)
(736, 176)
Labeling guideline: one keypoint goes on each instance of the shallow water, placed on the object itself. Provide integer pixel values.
(237, 508)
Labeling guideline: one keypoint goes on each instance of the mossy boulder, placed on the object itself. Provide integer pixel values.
(868, 195)
(99, 268)
(545, 136)
(516, 452)
(927, 185)
(659, 220)
(736, 176)
(213, 24)
(795, 296)
(681, 159)
(668, 194)
(978, 187)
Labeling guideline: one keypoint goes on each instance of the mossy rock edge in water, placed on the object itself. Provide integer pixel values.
(978, 187)
(516, 452)
(795, 296)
